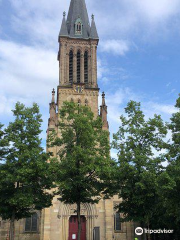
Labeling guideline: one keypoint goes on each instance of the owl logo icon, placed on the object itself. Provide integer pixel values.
(138, 231)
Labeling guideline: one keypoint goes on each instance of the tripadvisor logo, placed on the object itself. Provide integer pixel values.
(138, 231)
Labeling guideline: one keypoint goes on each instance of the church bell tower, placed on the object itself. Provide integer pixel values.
(77, 56)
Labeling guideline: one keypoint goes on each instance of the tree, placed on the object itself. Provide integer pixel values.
(139, 144)
(25, 175)
(170, 180)
(84, 169)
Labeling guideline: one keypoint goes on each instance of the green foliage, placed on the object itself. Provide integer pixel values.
(84, 169)
(25, 175)
(139, 143)
(170, 180)
(3, 143)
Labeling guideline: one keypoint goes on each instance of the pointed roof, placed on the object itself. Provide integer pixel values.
(77, 10)
(63, 31)
(93, 31)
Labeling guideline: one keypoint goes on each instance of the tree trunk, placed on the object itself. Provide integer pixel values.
(79, 220)
(143, 237)
(11, 230)
(148, 235)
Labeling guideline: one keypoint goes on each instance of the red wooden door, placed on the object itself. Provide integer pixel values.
(73, 228)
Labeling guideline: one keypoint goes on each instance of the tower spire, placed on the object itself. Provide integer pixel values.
(78, 10)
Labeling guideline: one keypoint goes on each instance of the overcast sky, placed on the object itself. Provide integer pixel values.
(138, 54)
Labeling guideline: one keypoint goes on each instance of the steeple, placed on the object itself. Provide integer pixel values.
(78, 14)
(77, 23)
(63, 31)
(93, 31)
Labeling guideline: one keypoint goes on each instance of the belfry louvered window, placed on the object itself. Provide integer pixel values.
(78, 67)
(71, 66)
(86, 67)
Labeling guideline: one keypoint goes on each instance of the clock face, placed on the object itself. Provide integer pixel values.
(79, 89)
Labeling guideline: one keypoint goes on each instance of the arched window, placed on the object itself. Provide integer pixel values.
(117, 222)
(78, 66)
(86, 67)
(78, 26)
(71, 66)
(31, 223)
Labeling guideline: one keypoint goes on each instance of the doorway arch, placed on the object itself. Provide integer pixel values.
(65, 212)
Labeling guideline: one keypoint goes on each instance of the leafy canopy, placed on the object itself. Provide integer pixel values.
(170, 180)
(25, 175)
(139, 143)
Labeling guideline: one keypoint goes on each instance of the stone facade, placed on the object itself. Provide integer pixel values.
(20, 233)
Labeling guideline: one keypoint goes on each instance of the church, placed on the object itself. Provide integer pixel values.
(77, 56)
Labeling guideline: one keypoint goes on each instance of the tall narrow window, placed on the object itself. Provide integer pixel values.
(78, 27)
(31, 224)
(86, 67)
(117, 222)
(71, 66)
(78, 67)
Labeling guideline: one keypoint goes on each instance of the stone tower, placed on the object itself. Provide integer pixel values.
(77, 56)
(78, 42)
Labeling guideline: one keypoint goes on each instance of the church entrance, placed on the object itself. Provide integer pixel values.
(73, 228)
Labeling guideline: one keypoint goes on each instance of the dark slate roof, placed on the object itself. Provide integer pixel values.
(63, 31)
(78, 10)
(93, 31)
